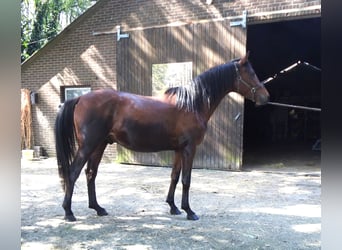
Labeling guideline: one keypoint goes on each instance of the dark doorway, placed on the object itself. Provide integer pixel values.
(276, 134)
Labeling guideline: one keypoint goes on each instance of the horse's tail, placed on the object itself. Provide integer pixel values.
(65, 139)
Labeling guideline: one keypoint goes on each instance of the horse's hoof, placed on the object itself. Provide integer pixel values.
(175, 211)
(192, 217)
(70, 218)
(102, 212)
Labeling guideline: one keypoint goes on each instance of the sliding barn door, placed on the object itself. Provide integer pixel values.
(152, 52)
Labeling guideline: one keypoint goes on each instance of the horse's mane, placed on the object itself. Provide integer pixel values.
(205, 88)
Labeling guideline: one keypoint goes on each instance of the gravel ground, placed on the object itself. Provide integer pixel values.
(267, 207)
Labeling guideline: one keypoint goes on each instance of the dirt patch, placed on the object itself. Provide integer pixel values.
(262, 208)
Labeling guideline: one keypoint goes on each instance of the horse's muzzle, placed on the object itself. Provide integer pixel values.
(261, 100)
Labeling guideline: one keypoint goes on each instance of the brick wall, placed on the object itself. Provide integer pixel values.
(77, 57)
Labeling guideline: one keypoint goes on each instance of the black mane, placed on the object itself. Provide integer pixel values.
(205, 88)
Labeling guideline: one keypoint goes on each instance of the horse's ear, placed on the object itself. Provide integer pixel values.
(244, 59)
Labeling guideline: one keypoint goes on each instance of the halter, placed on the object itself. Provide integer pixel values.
(251, 88)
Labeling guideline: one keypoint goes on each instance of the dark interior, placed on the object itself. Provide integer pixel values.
(274, 134)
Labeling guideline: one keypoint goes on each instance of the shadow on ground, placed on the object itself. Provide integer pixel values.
(256, 209)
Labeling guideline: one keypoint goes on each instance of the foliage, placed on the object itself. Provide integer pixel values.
(42, 20)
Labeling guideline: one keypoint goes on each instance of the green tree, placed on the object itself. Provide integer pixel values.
(43, 20)
(26, 24)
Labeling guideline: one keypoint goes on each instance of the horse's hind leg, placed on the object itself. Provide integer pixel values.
(91, 172)
(74, 173)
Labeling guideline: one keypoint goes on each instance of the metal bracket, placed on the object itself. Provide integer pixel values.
(237, 117)
(119, 35)
(242, 22)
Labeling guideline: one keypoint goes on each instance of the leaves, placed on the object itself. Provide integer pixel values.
(43, 20)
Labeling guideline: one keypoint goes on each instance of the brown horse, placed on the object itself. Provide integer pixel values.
(176, 121)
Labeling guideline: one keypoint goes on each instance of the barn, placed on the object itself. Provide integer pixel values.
(143, 46)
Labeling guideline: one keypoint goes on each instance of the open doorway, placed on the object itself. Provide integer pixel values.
(274, 134)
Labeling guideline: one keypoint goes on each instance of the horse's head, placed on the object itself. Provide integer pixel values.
(247, 83)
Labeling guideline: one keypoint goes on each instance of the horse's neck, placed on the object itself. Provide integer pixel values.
(209, 111)
(215, 103)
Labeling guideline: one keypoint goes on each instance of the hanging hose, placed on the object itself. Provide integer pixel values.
(289, 68)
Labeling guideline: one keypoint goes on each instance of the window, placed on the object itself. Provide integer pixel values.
(70, 92)
(168, 75)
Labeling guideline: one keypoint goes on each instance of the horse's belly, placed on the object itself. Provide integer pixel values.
(147, 142)
(140, 137)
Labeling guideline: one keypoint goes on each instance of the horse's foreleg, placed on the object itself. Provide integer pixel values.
(91, 172)
(174, 180)
(74, 173)
(187, 160)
